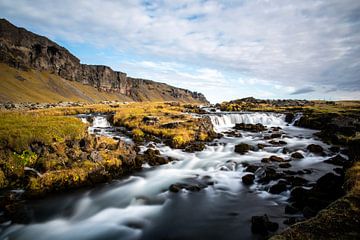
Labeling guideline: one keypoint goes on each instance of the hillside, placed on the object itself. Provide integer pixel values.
(37, 69)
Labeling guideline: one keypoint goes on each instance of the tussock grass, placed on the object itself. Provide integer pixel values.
(18, 130)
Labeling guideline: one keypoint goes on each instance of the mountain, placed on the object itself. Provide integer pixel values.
(33, 63)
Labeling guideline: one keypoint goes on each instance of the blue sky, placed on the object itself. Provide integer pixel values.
(307, 49)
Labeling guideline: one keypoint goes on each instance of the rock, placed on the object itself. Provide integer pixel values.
(190, 187)
(314, 148)
(290, 209)
(262, 225)
(152, 156)
(171, 125)
(308, 212)
(269, 174)
(95, 156)
(276, 135)
(297, 155)
(276, 159)
(289, 117)
(248, 179)
(338, 160)
(334, 149)
(242, 148)
(284, 165)
(250, 127)
(251, 168)
(195, 146)
(296, 181)
(278, 143)
(278, 187)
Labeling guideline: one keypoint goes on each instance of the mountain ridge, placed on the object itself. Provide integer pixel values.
(24, 50)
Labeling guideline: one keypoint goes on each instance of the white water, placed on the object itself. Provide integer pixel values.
(228, 120)
(141, 207)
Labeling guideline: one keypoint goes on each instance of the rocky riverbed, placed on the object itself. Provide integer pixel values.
(261, 176)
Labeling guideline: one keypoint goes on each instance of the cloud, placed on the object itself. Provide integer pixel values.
(278, 44)
(303, 90)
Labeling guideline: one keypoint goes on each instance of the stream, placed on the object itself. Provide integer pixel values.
(140, 206)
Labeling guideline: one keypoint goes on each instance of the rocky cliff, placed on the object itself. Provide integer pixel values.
(25, 50)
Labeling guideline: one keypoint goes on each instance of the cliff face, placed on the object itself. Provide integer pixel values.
(25, 50)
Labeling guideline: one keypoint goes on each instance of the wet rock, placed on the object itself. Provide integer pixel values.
(308, 212)
(284, 165)
(194, 147)
(242, 148)
(278, 143)
(272, 159)
(290, 172)
(190, 187)
(269, 174)
(334, 149)
(296, 181)
(290, 209)
(248, 179)
(338, 160)
(285, 150)
(314, 148)
(262, 225)
(276, 135)
(278, 187)
(250, 127)
(329, 187)
(289, 117)
(299, 196)
(251, 168)
(233, 134)
(297, 155)
(152, 156)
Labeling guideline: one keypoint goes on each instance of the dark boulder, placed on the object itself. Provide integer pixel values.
(338, 160)
(248, 179)
(314, 148)
(289, 117)
(242, 148)
(278, 187)
(284, 165)
(250, 127)
(262, 225)
(251, 168)
(297, 155)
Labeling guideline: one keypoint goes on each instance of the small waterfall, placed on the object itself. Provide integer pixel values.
(296, 118)
(100, 122)
(230, 119)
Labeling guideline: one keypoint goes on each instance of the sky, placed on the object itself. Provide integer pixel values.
(308, 49)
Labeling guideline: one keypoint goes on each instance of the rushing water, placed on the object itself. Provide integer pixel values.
(141, 207)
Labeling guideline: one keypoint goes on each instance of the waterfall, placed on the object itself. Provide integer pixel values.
(296, 118)
(230, 119)
(100, 122)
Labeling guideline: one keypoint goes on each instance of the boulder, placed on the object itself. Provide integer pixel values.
(314, 148)
(248, 179)
(242, 148)
(297, 155)
(250, 127)
(262, 225)
(338, 160)
(278, 187)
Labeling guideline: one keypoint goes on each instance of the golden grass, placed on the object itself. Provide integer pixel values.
(185, 128)
(18, 130)
(35, 86)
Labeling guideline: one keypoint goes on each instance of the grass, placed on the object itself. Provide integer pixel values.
(164, 120)
(34, 86)
(18, 130)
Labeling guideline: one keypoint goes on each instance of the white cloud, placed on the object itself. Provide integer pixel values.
(285, 45)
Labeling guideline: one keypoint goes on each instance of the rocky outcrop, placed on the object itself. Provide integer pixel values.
(25, 50)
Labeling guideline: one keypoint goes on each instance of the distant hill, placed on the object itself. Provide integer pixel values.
(37, 69)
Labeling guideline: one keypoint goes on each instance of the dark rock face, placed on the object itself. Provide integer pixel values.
(262, 225)
(25, 50)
